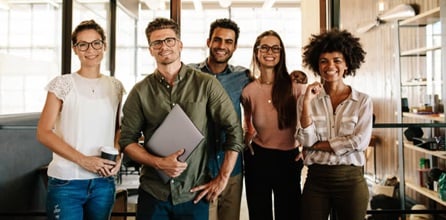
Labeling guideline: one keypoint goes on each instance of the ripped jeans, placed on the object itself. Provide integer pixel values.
(90, 199)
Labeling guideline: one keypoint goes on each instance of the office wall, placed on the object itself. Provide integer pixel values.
(21, 156)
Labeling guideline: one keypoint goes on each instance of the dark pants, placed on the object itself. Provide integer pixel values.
(340, 188)
(272, 172)
(149, 208)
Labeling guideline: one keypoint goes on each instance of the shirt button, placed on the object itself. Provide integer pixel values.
(168, 86)
(173, 104)
(172, 181)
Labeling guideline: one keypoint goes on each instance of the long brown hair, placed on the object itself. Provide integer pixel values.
(282, 97)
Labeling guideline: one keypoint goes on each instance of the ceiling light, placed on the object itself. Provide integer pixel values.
(197, 5)
(380, 6)
(155, 4)
(268, 4)
(225, 3)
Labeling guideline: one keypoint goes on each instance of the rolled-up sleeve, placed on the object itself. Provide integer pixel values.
(223, 113)
(131, 126)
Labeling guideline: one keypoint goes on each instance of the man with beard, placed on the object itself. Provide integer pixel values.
(204, 101)
(222, 43)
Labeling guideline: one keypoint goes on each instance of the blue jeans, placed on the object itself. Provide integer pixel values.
(149, 208)
(80, 199)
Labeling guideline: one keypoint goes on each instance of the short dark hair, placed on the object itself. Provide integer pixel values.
(225, 23)
(162, 23)
(334, 40)
(87, 25)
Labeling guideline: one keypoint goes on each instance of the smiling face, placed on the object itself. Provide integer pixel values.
(266, 54)
(165, 54)
(332, 66)
(221, 45)
(90, 57)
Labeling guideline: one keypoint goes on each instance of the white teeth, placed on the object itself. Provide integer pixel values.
(220, 52)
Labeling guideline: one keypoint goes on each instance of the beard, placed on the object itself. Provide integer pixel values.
(170, 59)
(216, 58)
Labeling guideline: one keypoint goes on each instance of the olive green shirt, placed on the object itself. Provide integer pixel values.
(203, 99)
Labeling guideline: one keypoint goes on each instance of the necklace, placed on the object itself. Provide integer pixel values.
(93, 85)
(266, 82)
(262, 89)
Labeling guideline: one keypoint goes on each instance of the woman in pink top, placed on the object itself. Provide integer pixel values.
(270, 124)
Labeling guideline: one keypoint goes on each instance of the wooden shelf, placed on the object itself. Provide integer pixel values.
(426, 192)
(419, 51)
(415, 83)
(433, 117)
(414, 48)
(437, 153)
(425, 18)
(420, 83)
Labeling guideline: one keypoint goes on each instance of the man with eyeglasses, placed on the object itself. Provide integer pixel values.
(222, 43)
(204, 100)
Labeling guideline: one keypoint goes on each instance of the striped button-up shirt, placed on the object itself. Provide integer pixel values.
(348, 129)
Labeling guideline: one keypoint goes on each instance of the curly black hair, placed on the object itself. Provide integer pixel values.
(334, 40)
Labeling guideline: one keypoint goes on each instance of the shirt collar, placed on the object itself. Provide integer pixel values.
(353, 96)
(203, 66)
(181, 74)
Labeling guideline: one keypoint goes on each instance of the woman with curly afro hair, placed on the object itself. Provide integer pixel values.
(334, 126)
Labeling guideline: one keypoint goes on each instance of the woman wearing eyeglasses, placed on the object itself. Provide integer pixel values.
(271, 165)
(81, 115)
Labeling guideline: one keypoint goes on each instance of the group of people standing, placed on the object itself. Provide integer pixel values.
(261, 125)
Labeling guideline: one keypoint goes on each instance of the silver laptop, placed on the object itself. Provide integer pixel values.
(177, 131)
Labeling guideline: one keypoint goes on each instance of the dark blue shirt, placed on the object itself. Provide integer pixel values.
(233, 79)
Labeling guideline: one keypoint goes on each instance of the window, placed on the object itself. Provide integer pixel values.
(30, 42)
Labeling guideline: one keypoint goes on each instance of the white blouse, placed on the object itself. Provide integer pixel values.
(87, 120)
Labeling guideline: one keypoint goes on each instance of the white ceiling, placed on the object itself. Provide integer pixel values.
(211, 4)
(186, 4)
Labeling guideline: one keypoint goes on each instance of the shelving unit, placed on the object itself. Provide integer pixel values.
(438, 117)
(421, 78)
